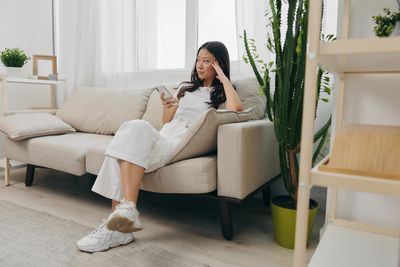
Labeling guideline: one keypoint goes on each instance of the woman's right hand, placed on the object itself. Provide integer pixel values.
(170, 105)
(168, 102)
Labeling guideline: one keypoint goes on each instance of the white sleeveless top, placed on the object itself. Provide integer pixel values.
(192, 104)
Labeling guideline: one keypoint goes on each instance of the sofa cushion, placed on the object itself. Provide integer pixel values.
(174, 178)
(249, 92)
(23, 126)
(154, 109)
(61, 152)
(201, 137)
(103, 110)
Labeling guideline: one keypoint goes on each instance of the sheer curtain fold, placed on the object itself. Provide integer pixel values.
(95, 41)
(250, 17)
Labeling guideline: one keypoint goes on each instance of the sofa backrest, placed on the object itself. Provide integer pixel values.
(103, 110)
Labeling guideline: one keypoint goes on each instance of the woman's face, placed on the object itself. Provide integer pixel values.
(204, 67)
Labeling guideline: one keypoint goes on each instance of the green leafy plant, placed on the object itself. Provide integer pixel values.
(285, 101)
(13, 57)
(385, 24)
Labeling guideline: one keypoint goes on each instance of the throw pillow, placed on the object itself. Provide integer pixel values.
(24, 126)
(201, 137)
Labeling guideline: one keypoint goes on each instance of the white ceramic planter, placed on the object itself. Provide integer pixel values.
(14, 72)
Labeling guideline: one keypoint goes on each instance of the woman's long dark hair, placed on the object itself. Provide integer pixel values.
(217, 94)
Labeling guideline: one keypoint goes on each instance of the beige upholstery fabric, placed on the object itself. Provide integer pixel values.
(249, 92)
(61, 152)
(154, 109)
(201, 138)
(23, 126)
(248, 157)
(188, 176)
(103, 110)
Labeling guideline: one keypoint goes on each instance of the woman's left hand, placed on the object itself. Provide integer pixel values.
(220, 73)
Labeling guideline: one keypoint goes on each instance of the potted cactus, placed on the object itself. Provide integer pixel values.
(13, 59)
(285, 103)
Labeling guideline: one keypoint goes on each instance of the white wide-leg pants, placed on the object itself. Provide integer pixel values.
(138, 142)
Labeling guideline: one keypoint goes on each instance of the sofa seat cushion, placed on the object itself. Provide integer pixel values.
(61, 152)
(198, 175)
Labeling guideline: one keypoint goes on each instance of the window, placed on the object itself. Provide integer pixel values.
(217, 22)
(171, 34)
(147, 35)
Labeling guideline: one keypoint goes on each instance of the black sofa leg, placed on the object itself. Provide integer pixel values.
(267, 196)
(30, 172)
(226, 220)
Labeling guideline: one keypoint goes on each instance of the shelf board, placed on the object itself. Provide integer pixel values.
(33, 81)
(354, 182)
(361, 55)
(345, 247)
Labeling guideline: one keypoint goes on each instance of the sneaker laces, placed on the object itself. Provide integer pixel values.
(129, 205)
(100, 230)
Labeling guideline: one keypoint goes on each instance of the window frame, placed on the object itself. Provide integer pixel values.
(191, 39)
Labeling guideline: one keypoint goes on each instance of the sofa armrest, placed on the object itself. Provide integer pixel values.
(248, 157)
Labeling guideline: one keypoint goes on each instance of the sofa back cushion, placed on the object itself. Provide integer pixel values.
(154, 109)
(201, 138)
(103, 110)
(249, 92)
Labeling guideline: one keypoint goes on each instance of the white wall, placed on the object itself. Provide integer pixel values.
(370, 99)
(26, 24)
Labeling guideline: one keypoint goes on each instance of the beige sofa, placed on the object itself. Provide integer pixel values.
(246, 161)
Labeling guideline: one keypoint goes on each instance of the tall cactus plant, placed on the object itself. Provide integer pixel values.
(285, 100)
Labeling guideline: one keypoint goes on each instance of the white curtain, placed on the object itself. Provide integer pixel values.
(250, 17)
(96, 42)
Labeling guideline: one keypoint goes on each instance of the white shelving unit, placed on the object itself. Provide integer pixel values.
(344, 243)
(54, 87)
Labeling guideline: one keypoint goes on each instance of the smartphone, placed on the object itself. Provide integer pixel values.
(167, 94)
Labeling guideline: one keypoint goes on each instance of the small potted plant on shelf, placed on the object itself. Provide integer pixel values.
(14, 59)
(387, 24)
(285, 104)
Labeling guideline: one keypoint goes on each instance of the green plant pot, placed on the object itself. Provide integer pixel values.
(284, 220)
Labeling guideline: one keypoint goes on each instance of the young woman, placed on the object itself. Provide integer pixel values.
(139, 148)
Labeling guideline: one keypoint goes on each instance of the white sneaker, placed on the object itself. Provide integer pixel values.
(125, 218)
(102, 239)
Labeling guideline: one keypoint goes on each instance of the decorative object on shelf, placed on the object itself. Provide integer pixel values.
(387, 24)
(14, 59)
(284, 107)
(45, 67)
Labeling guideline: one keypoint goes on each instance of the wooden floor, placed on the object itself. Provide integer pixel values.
(186, 225)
